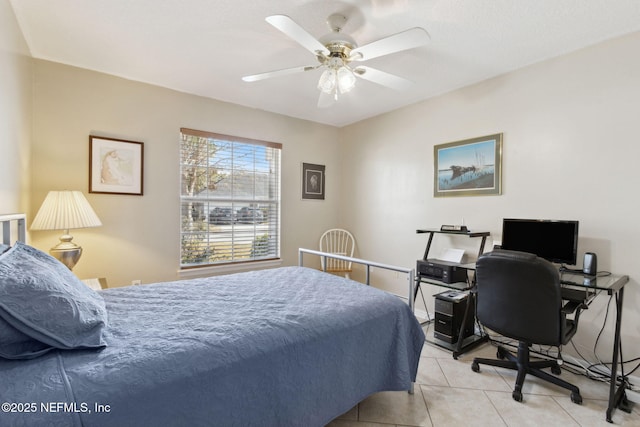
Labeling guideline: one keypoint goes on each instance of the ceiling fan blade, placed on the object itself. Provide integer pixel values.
(382, 78)
(326, 100)
(405, 40)
(297, 33)
(277, 73)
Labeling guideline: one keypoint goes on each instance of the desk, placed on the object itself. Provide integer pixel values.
(612, 285)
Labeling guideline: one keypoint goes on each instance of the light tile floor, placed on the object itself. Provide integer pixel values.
(448, 393)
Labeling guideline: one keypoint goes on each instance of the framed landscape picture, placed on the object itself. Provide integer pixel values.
(472, 167)
(115, 166)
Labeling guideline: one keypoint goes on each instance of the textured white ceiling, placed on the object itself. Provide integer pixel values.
(204, 47)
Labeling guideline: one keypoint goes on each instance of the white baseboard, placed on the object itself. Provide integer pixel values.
(422, 315)
(633, 396)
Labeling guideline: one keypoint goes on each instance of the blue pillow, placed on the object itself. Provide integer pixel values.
(44, 300)
(3, 248)
(16, 345)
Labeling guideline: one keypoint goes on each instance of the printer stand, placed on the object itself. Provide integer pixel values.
(454, 309)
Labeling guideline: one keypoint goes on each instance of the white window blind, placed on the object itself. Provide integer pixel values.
(230, 199)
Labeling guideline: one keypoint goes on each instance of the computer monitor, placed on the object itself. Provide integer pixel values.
(556, 241)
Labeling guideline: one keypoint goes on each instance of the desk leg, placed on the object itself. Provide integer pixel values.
(458, 350)
(428, 247)
(617, 397)
(468, 311)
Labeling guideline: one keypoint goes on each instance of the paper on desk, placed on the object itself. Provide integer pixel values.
(452, 255)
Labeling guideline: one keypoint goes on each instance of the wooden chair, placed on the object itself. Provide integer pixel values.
(340, 242)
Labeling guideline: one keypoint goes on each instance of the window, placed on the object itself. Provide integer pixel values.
(230, 199)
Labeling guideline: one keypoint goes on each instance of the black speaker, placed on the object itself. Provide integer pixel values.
(590, 264)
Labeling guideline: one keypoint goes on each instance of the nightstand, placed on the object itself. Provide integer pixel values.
(96, 284)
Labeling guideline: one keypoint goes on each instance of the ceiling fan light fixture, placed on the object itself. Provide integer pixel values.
(346, 79)
(328, 80)
(334, 80)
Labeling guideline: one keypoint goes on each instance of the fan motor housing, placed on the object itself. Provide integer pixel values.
(339, 49)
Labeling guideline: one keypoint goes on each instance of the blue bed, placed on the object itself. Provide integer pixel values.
(287, 346)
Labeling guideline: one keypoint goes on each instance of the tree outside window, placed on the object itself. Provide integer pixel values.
(230, 199)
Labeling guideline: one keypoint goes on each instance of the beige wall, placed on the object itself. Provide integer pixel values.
(140, 235)
(15, 113)
(571, 151)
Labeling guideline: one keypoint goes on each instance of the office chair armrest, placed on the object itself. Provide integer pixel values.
(572, 306)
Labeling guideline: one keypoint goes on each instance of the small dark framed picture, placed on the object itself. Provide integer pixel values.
(312, 181)
(115, 166)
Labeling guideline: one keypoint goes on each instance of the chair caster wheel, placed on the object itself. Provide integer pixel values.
(500, 354)
(517, 396)
(555, 369)
(576, 398)
(475, 367)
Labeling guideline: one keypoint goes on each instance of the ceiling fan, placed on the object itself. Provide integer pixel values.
(337, 51)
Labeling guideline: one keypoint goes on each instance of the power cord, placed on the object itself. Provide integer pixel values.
(592, 371)
(564, 269)
(624, 378)
(576, 368)
(600, 371)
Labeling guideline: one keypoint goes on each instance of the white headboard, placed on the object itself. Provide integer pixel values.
(14, 228)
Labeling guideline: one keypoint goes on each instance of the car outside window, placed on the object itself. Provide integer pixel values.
(230, 199)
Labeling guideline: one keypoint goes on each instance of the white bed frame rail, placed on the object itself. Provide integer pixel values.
(410, 272)
(12, 225)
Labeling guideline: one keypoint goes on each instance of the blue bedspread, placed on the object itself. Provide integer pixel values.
(284, 347)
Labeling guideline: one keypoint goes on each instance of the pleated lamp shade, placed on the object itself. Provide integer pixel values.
(64, 210)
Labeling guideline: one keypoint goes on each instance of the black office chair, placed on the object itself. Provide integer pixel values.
(518, 296)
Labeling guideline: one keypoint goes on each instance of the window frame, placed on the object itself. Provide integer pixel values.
(275, 201)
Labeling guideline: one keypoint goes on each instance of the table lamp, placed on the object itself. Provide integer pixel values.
(64, 210)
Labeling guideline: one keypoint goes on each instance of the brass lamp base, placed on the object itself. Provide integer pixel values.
(66, 251)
